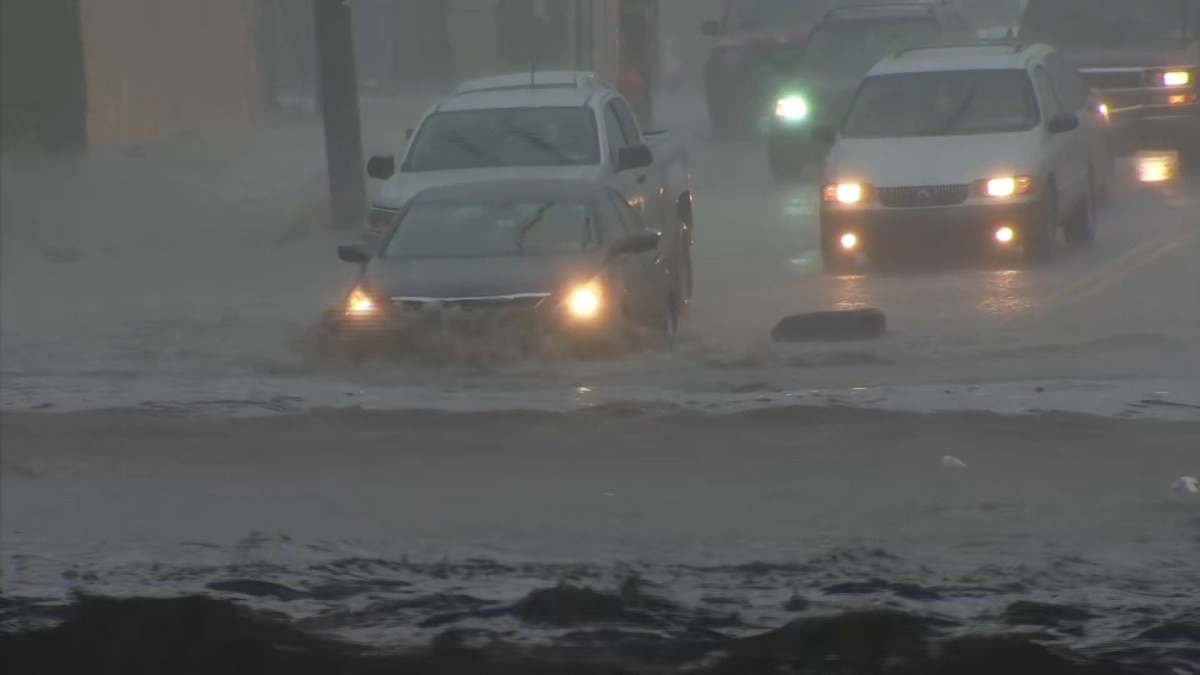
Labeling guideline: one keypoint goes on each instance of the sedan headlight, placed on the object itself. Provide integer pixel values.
(791, 108)
(358, 303)
(845, 193)
(584, 301)
(1005, 186)
(1176, 78)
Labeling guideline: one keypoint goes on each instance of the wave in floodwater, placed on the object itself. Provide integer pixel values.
(848, 611)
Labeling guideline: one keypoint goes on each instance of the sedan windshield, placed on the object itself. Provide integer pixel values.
(952, 103)
(850, 48)
(1107, 22)
(472, 139)
(756, 14)
(492, 228)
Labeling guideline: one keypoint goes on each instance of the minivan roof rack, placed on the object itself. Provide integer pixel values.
(1014, 46)
(927, 5)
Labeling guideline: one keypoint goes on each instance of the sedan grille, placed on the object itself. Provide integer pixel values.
(1112, 79)
(923, 196)
(506, 303)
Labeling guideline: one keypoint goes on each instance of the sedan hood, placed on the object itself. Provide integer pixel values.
(395, 192)
(946, 160)
(476, 277)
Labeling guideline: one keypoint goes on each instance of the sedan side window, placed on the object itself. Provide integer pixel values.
(1046, 94)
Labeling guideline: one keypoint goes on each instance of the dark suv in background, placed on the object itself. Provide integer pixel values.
(755, 38)
(1142, 57)
(839, 51)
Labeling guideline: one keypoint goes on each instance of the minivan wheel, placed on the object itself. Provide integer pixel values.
(1039, 239)
(1080, 230)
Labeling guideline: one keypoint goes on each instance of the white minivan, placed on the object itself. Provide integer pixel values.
(999, 143)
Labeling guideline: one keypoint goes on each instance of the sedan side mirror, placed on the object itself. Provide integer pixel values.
(634, 157)
(381, 167)
(710, 29)
(1063, 122)
(408, 133)
(825, 133)
(354, 253)
(643, 242)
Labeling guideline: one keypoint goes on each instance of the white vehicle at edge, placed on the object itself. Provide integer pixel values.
(999, 143)
(551, 124)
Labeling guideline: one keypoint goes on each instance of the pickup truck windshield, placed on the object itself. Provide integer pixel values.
(850, 48)
(492, 228)
(952, 103)
(755, 14)
(1110, 22)
(474, 139)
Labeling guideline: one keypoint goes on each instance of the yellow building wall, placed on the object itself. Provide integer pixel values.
(160, 68)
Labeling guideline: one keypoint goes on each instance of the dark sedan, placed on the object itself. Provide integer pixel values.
(563, 257)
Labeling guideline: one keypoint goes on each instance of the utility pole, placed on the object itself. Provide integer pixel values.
(338, 89)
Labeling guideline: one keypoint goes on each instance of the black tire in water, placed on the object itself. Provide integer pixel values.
(836, 326)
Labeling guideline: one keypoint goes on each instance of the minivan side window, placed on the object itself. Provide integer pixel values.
(1046, 94)
(628, 122)
(612, 130)
(1067, 82)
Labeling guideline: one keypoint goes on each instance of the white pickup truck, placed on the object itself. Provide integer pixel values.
(544, 125)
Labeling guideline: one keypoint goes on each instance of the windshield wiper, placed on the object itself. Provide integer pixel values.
(531, 222)
(457, 139)
(958, 114)
(540, 142)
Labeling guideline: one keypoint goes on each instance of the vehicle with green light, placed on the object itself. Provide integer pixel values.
(841, 49)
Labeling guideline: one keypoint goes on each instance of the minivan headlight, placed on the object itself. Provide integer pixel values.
(1005, 186)
(846, 193)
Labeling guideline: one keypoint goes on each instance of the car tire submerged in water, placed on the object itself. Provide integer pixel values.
(1041, 237)
(837, 326)
(1080, 228)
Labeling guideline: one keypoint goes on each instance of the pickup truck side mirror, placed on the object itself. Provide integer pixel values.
(634, 157)
(354, 253)
(710, 29)
(381, 167)
(825, 133)
(642, 242)
(1063, 122)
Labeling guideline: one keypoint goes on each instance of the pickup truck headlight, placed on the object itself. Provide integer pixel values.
(1176, 78)
(1005, 186)
(791, 108)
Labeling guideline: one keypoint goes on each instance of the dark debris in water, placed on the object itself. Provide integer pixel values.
(199, 635)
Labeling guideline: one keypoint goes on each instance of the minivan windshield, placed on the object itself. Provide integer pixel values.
(1108, 22)
(850, 48)
(950, 103)
(488, 138)
(492, 228)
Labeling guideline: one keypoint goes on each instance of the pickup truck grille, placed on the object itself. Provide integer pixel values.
(1113, 79)
(923, 196)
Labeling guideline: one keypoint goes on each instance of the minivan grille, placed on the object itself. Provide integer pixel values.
(1112, 79)
(928, 195)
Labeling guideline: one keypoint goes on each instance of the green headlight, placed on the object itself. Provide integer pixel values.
(791, 108)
